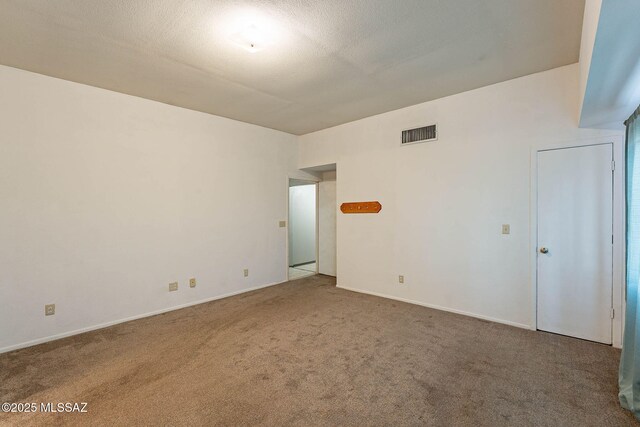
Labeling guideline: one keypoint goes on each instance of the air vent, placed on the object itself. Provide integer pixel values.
(423, 134)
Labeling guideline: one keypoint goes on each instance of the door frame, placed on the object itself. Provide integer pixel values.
(311, 182)
(617, 142)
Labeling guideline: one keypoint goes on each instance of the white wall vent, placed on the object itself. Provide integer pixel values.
(423, 134)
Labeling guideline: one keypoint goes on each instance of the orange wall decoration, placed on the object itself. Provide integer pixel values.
(361, 207)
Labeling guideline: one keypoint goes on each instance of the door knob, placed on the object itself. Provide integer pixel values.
(544, 250)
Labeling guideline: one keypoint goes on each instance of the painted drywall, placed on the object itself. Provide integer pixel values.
(323, 63)
(107, 198)
(327, 210)
(589, 30)
(612, 91)
(443, 202)
(302, 224)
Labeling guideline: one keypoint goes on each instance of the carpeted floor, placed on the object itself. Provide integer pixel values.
(307, 353)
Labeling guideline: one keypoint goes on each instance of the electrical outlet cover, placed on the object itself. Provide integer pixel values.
(49, 309)
(192, 282)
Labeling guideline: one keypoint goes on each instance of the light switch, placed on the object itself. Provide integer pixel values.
(506, 229)
(283, 224)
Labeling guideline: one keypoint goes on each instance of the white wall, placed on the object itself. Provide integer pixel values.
(327, 210)
(610, 69)
(106, 198)
(444, 202)
(302, 224)
(587, 42)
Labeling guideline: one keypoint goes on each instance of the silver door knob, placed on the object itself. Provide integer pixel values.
(544, 250)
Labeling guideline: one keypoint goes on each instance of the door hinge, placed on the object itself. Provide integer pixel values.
(613, 313)
(613, 165)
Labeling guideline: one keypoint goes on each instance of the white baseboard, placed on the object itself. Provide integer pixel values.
(128, 319)
(437, 307)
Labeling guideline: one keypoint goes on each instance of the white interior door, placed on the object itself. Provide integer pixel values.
(575, 249)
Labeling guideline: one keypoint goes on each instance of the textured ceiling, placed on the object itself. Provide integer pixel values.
(327, 62)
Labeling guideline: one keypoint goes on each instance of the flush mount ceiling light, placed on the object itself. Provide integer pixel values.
(251, 29)
(250, 39)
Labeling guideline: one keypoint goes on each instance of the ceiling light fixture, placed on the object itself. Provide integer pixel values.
(250, 39)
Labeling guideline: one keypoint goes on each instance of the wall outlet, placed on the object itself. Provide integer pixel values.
(49, 309)
(246, 272)
(173, 286)
(401, 279)
(506, 229)
(192, 282)
(283, 224)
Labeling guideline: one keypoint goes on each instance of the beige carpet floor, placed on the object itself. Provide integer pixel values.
(308, 353)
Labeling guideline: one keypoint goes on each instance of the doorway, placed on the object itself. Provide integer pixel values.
(575, 242)
(303, 229)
